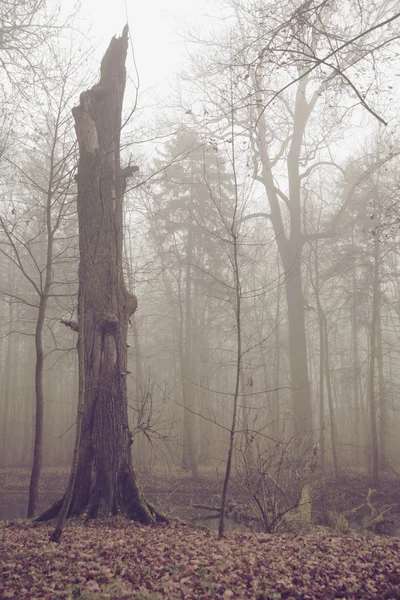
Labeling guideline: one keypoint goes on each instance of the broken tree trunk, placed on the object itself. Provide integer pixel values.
(301, 519)
(105, 483)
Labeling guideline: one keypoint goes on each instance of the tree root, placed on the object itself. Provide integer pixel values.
(51, 512)
(156, 516)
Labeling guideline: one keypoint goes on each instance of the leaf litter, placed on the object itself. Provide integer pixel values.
(113, 560)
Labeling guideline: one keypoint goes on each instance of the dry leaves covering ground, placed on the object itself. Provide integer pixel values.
(115, 560)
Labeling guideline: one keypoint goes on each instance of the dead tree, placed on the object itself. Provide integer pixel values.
(105, 482)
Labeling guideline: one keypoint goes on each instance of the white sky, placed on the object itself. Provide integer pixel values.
(157, 35)
(156, 30)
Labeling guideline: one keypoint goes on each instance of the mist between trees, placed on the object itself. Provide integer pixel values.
(260, 236)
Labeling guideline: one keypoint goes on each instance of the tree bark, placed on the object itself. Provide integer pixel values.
(189, 446)
(38, 445)
(232, 431)
(276, 429)
(290, 248)
(372, 363)
(300, 384)
(383, 405)
(356, 396)
(43, 299)
(7, 379)
(332, 416)
(322, 423)
(105, 482)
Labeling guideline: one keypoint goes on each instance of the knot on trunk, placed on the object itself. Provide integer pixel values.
(130, 304)
(110, 321)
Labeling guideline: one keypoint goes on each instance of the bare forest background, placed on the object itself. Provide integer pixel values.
(261, 238)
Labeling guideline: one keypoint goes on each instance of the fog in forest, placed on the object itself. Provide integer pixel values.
(259, 233)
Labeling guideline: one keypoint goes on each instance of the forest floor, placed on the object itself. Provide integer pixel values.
(115, 559)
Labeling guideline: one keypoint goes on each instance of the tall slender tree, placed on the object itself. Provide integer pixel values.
(281, 83)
